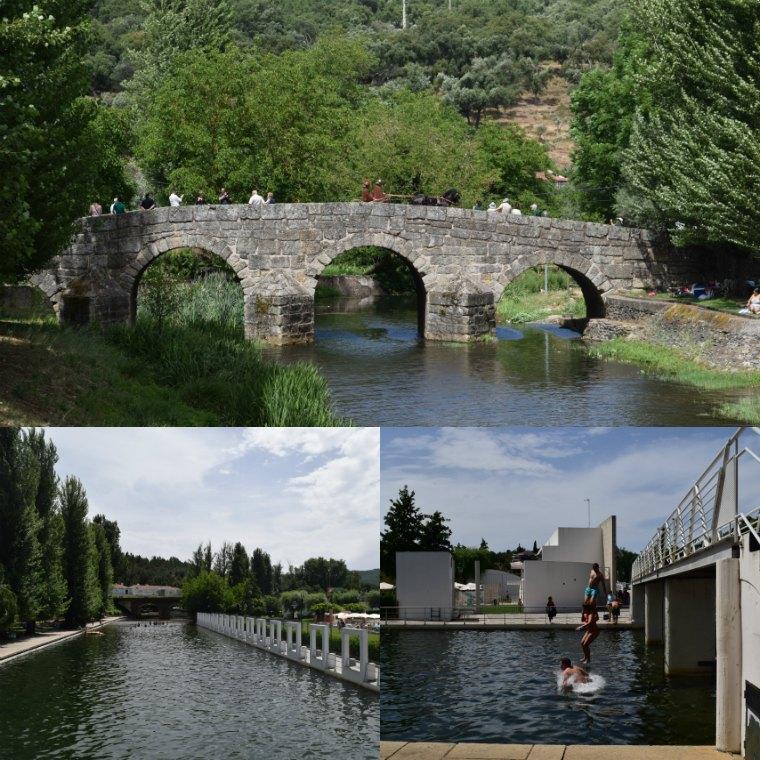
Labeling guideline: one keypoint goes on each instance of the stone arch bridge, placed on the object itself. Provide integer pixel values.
(462, 260)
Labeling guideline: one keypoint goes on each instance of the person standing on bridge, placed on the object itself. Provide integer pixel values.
(378, 194)
(270, 201)
(224, 198)
(147, 203)
(119, 207)
(175, 199)
(256, 200)
(96, 209)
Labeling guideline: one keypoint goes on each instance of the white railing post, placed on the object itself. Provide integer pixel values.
(318, 654)
(293, 638)
(358, 672)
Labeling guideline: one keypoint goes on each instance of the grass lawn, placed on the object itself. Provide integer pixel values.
(671, 364)
(531, 307)
(731, 305)
(500, 609)
(197, 374)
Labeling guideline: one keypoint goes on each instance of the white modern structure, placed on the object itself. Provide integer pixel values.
(566, 559)
(696, 587)
(500, 587)
(267, 635)
(425, 585)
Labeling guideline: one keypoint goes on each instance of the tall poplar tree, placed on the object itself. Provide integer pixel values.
(78, 555)
(103, 566)
(239, 569)
(19, 547)
(51, 583)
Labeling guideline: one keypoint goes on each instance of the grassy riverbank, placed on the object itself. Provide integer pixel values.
(525, 300)
(373, 641)
(196, 374)
(671, 364)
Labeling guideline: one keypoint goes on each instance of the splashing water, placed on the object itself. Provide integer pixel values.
(594, 686)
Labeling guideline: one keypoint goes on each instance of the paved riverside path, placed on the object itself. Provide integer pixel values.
(467, 751)
(12, 649)
(567, 621)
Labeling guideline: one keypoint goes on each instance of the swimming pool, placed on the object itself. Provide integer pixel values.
(501, 686)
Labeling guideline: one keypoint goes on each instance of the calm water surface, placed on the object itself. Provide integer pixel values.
(381, 373)
(500, 686)
(175, 691)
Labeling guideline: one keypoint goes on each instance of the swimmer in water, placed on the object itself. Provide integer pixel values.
(589, 626)
(569, 671)
(595, 579)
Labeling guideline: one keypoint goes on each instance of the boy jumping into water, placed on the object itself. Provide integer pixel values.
(568, 672)
(592, 590)
(589, 625)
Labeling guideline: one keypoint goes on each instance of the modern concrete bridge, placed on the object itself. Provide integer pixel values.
(696, 587)
(137, 600)
(461, 260)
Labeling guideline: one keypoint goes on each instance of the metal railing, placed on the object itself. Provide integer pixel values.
(709, 513)
(461, 617)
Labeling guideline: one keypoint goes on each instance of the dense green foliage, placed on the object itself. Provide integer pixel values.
(669, 136)
(58, 150)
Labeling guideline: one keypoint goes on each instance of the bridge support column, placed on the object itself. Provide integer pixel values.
(689, 625)
(653, 612)
(637, 604)
(463, 314)
(728, 643)
(280, 318)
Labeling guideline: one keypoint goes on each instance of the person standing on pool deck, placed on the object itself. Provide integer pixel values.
(591, 631)
(569, 671)
(592, 590)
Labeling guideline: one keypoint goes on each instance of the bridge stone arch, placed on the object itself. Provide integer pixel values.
(416, 262)
(463, 258)
(133, 273)
(593, 283)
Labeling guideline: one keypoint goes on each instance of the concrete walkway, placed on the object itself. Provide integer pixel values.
(439, 751)
(10, 650)
(537, 621)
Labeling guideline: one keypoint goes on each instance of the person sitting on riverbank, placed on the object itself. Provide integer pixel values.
(595, 579)
(753, 305)
(551, 609)
(589, 625)
(569, 671)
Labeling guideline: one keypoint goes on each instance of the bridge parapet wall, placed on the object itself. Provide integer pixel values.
(463, 259)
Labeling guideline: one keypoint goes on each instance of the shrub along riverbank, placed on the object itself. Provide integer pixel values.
(198, 374)
(671, 364)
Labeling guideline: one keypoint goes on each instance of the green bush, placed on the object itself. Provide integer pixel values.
(207, 592)
(8, 610)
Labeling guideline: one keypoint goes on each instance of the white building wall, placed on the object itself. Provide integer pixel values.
(563, 581)
(574, 545)
(749, 574)
(425, 585)
(500, 585)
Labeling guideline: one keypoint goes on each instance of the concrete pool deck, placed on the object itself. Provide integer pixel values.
(468, 751)
(535, 621)
(10, 650)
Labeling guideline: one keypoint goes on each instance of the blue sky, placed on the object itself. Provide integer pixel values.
(295, 492)
(513, 485)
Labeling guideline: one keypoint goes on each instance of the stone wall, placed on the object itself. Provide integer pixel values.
(463, 259)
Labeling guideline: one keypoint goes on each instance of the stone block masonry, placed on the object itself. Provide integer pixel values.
(462, 260)
(267, 634)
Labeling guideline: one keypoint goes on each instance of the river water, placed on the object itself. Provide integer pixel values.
(176, 691)
(381, 373)
(501, 686)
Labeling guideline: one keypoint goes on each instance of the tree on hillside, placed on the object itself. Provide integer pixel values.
(113, 536)
(694, 152)
(435, 533)
(19, 524)
(79, 555)
(404, 523)
(320, 573)
(172, 27)
(240, 568)
(102, 567)
(53, 154)
(51, 583)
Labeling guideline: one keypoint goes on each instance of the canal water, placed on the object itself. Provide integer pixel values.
(381, 373)
(501, 686)
(176, 691)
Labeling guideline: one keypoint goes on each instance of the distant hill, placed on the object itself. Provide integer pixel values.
(370, 577)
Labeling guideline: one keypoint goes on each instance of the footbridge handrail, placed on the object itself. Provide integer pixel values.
(708, 513)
